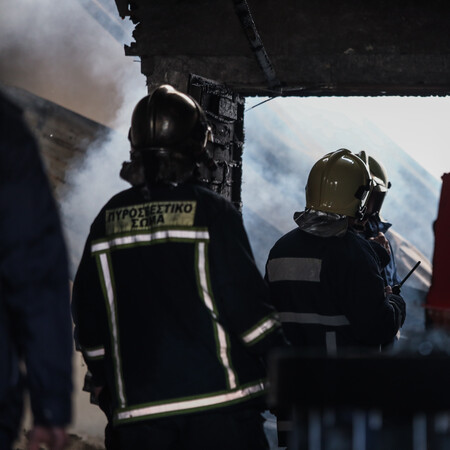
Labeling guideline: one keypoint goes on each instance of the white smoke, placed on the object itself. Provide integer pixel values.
(92, 184)
(58, 51)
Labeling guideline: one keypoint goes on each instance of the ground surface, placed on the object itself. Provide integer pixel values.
(75, 443)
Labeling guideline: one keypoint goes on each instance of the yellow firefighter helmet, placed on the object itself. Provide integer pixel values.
(339, 183)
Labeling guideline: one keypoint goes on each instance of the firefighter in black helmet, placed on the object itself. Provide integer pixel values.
(374, 228)
(324, 278)
(171, 312)
(169, 130)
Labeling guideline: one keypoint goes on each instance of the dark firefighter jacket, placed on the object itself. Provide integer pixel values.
(170, 309)
(329, 291)
(35, 323)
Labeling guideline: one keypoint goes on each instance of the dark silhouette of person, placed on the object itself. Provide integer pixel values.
(324, 277)
(35, 323)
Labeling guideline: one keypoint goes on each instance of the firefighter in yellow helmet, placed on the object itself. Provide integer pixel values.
(324, 278)
(171, 312)
(339, 183)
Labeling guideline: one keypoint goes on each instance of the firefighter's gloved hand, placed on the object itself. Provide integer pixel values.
(396, 289)
(399, 306)
(383, 255)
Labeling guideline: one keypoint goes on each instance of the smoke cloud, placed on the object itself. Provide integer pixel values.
(57, 50)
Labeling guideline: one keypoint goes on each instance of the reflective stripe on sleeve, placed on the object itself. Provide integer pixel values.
(221, 335)
(94, 352)
(149, 237)
(112, 313)
(191, 404)
(313, 319)
(259, 330)
(294, 269)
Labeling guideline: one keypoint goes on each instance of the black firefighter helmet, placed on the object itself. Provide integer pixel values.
(168, 136)
(380, 181)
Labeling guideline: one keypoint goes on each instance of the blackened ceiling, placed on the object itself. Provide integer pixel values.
(296, 47)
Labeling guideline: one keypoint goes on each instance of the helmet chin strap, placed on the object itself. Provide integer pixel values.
(361, 213)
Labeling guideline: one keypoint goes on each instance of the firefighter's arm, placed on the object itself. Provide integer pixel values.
(375, 316)
(89, 316)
